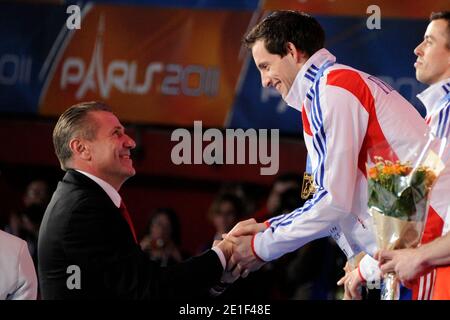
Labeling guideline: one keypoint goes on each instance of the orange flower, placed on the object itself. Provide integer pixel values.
(389, 170)
(397, 168)
(373, 173)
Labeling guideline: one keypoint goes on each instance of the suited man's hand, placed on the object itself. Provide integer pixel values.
(226, 246)
(227, 276)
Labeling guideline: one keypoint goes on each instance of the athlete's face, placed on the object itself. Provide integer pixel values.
(276, 71)
(433, 54)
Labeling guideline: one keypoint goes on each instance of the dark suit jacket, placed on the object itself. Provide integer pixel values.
(82, 227)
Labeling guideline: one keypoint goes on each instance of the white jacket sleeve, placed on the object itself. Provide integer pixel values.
(338, 125)
(369, 269)
(27, 283)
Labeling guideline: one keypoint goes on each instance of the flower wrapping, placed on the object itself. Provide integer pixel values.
(398, 201)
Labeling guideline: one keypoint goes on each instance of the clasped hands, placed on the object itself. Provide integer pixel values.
(237, 248)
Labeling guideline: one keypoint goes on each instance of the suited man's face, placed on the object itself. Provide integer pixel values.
(109, 151)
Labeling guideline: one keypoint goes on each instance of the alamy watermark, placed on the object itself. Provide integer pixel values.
(228, 147)
(74, 20)
(374, 20)
(74, 279)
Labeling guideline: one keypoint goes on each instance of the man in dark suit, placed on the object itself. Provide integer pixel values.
(87, 245)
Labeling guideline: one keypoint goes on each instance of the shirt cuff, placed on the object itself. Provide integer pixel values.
(221, 256)
(368, 269)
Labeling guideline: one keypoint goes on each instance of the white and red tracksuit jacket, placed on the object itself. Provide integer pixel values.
(436, 100)
(349, 117)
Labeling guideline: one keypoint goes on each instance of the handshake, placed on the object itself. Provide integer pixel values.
(237, 248)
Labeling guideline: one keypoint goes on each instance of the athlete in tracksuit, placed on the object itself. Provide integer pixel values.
(349, 118)
(432, 68)
(436, 99)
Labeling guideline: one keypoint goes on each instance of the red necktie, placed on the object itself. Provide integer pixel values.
(126, 215)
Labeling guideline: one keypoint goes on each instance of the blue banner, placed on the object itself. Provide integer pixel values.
(33, 36)
(28, 33)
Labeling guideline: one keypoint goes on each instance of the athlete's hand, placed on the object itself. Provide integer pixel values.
(406, 263)
(246, 228)
(352, 285)
(243, 260)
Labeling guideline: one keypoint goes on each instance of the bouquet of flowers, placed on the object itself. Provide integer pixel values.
(398, 194)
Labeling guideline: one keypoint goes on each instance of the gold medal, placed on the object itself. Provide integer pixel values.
(308, 187)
